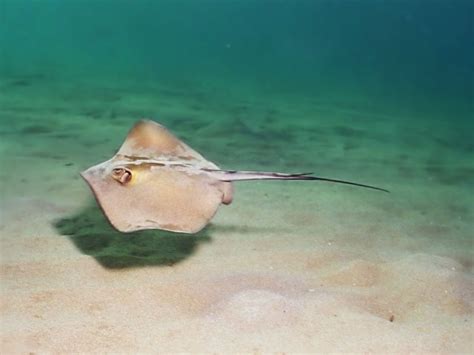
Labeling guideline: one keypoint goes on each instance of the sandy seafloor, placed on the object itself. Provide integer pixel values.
(288, 267)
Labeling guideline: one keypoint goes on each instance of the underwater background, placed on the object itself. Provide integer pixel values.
(373, 91)
(409, 54)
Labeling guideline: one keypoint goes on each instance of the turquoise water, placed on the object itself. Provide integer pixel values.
(415, 54)
(372, 91)
(397, 60)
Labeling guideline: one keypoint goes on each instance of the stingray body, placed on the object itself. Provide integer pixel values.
(155, 181)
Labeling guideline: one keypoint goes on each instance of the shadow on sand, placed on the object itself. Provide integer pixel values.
(92, 235)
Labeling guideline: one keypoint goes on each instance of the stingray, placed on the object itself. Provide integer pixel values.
(156, 181)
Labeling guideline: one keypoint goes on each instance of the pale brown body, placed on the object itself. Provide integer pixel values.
(164, 185)
(155, 181)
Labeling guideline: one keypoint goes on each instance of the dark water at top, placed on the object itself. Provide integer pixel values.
(408, 52)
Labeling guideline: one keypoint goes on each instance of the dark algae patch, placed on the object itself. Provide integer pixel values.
(451, 175)
(36, 129)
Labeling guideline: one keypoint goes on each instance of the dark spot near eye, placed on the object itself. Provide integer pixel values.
(122, 175)
(69, 164)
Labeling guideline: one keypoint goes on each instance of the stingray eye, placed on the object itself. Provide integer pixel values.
(122, 175)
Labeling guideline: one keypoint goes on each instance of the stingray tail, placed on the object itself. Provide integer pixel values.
(240, 175)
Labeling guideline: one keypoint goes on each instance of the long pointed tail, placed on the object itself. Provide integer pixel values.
(239, 175)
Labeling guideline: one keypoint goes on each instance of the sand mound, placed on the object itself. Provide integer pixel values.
(405, 288)
(421, 281)
(252, 309)
(358, 273)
